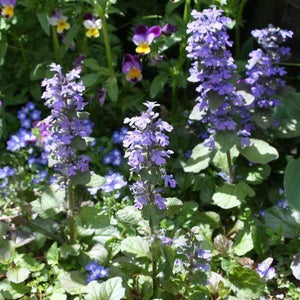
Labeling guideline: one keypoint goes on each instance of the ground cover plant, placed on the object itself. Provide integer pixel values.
(149, 150)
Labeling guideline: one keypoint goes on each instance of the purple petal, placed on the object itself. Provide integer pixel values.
(140, 34)
(127, 63)
(156, 30)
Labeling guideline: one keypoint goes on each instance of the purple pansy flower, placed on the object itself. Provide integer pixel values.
(92, 25)
(132, 67)
(169, 29)
(8, 8)
(60, 21)
(144, 36)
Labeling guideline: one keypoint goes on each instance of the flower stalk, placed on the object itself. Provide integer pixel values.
(101, 14)
(55, 45)
(71, 207)
(178, 67)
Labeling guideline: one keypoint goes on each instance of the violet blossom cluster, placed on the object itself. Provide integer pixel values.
(221, 106)
(67, 122)
(146, 152)
(264, 75)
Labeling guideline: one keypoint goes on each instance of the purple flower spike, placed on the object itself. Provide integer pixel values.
(264, 75)
(68, 123)
(132, 67)
(144, 36)
(146, 154)
(8, 7)
(221, 106)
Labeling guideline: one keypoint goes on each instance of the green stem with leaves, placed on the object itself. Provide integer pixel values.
(101, 14)
(71, 205)
(178, 67)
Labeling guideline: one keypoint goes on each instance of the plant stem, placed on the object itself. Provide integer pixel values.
(101, 14)
(55, 44)
(178, 67)
(70, 200)
(154, 261)
(238, 20)
(230, 169)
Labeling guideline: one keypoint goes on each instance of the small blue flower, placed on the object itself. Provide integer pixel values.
(35, 115)
(96, 271)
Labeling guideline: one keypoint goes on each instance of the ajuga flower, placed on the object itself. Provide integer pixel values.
(60, 21)
(222, 108)
(144, 36)
(264, 75)
(8, 7)
(132, 67)
(264, 269)
(92, 25)
(67, 123)
(147, 156)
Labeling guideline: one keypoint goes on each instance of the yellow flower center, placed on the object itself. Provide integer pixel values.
(8, 11)
(143, 48)
(92, 32)
(134, 75)
(62, 25)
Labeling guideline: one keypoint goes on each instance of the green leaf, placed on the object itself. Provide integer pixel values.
(6, 251)
(199, 159)
(243, 243)
(157, 85)
(51, 202)
(43, 19)
(90, 79)
(282, 220)
(220, 159)
(92, 220)
(129, 215)
(259, 152)
(73, 282)
(173, 206)
(99, 253)
(3, 229)
(17, 274)
(69, 250)
(257, 174)
(111, 85)
(96, 181)
(196, 114)
(81, 178)
(92, 64)
(111, 289)
(225, 140)
(3, 48)
(232, 195)
(136, 246)
(79, 143)
(52, 255)
(263, 120)
(214, 100)
(291, 183)
(10, 290)
(248, 98)
(247, 283)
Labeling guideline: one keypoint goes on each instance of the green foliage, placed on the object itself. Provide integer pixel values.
(291, 186)
(259, 152)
